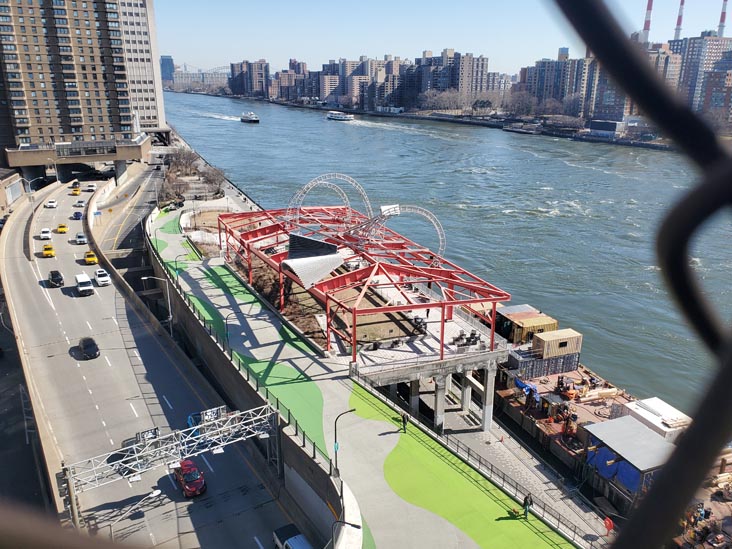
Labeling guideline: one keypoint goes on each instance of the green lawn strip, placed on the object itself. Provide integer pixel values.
(294, 390)
(192, 253)
(425, 474)
(224, 279)
(171, 227)
(210, 313)
(368, 538)
(289, 337)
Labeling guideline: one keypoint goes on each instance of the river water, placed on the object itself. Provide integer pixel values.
(568, 227)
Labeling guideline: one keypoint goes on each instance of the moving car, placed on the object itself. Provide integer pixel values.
(289, 537)
(89, 348)
(190, 478)
(91, 187)
(102, 277)
(90, 258)
(55, 279)
(53, 203)
(45, 234)
(76, 184)
(48, 250)
(84, 285)
(62, 228)
(78, 215)
(80, 238)
(79, 204)
(75, 191)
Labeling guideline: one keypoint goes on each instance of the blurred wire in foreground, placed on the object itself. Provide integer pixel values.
(653, 523)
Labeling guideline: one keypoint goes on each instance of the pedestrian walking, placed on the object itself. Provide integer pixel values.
(405, 420)
(528, 502)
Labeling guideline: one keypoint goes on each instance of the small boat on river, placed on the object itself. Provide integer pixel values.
(337, 115)
(249, 118)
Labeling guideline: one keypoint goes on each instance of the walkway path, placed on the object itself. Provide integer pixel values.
(412, 492)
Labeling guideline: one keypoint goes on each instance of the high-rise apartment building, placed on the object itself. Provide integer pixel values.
(699, 55)
(167, 69)
(250, 78)
(79, 79)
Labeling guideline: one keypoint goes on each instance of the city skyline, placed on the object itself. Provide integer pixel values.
(480, 29)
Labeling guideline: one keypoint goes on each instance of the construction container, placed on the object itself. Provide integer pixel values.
(557, 343)
(530, 366)
(658, 416)
(525, 325)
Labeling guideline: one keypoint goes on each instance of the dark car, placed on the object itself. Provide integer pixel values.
(56, 279)
(78, 215)
(193, 420)
(88, 347)
(190, 478)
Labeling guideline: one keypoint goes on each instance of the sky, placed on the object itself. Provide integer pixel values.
(206, 34)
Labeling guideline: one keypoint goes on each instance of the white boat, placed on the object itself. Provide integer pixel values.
(338, 115)
(250, 117)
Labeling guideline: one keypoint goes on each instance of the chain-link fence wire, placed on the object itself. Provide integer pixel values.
(654, 522)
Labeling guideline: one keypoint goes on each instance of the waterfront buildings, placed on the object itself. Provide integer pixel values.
(80, 82)
(167, 69)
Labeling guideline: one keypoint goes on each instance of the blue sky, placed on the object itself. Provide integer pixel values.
(511, 33)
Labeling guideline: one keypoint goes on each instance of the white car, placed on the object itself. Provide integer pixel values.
(45, 234)
(102, 277)
(79, 204)
(80, 238)
(53, 203)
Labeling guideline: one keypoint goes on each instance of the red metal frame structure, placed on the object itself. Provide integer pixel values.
(377, 259)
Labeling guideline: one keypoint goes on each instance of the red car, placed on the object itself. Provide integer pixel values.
(190, 478)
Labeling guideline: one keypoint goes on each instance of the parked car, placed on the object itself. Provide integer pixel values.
(53, 203)
(190, 478)
(48, 250)
(78, 215)
(102, 277)
(80, 238)
(55, 279)
(89, 348)
(90, 258)
(62, 228)
(45, 234)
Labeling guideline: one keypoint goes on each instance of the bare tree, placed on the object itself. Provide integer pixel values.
(183, 160)
(572, 105)
(550, 106)
(214, 179)
(719, 120)
(522, 103)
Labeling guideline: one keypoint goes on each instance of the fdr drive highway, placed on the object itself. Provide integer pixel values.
(85, 408)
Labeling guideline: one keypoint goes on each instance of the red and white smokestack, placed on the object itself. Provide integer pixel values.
(677, 34)
(647, 24)
(720, 31)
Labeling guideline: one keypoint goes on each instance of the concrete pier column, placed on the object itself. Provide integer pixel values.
(393, 392)
(120, 171)
(467, 393)
(489, 382)
(448, 384)
(414, 397)
(439, 403)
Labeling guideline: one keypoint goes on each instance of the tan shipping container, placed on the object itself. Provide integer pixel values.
(526, 325)
(557, 343)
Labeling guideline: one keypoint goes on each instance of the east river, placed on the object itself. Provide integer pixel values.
(568, 227)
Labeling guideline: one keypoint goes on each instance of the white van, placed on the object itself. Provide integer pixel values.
(84, 285)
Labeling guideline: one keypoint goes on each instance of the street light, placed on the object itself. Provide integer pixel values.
(155, 493)
(167, 288)
(30, 183)
(176, 263)
(335, 434)
(226, 323)
(332, 530)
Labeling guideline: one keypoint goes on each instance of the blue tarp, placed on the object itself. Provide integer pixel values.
(628, 476)
(621, 472)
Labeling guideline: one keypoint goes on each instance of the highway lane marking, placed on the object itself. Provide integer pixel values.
(83, 377)
(207, 463)
(133, 410)
(111, 442)
(68, 341)
(115, 321)
(167, 402)
(96, 406)
(37, 271)
(90, 391)
(108, 363)
(256, 540)
(87, 323)
(136, 353)
(104, 424)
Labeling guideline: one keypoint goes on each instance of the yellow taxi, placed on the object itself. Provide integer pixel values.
(48, 250)
(75, 192)
(62, 228)
(90, 258)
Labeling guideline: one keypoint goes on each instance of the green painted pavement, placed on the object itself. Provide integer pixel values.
(367, 541)
(193, 254)
(171, 227)
(225, 280)
(427, 475)
(209, 312)
(159, 244)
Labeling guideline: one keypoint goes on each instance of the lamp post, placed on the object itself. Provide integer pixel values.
(176, 263)
(167, 288)
(155, 493)
(226, 323)
(336, 473)
(30, 183)
(332, 530)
